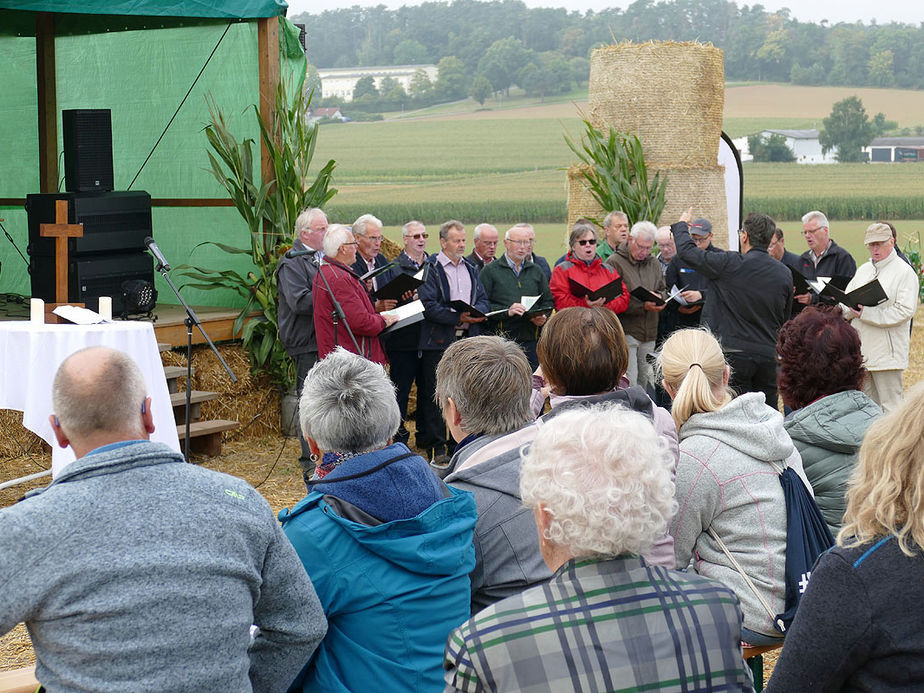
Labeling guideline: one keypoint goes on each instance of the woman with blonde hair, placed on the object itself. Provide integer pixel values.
(859, 622)
(731, 524)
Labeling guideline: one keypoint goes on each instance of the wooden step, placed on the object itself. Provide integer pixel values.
(197, 397)
(172, 373)
(205, 436)
(18, 681)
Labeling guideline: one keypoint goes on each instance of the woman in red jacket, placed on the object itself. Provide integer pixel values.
(582, 272)
(359, 312)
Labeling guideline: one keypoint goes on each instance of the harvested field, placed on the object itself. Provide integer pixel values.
(256, 453)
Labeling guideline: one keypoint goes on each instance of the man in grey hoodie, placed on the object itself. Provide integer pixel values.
(134, 571)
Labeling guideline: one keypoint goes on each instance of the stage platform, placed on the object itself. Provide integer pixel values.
(169, 328)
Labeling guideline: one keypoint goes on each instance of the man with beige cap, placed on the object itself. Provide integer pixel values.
(883, 329)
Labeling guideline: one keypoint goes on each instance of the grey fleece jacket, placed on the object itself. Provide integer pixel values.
(725, 481)
(828, 433)
(135, 571)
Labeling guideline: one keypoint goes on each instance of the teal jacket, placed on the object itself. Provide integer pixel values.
(827, 433)
(392, 591)
(504, 288)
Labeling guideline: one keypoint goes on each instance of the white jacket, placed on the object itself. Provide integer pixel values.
(884, 334)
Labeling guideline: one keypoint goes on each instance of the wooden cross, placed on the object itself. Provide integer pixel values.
(60, 231)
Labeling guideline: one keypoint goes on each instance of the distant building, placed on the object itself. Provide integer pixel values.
(333, 113)
(341, 81)
(889, 149)
(805, 145)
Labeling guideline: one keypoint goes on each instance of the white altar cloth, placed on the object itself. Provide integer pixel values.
(31, 354)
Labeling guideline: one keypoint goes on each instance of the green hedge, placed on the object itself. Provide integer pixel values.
(844, 208)
(508, 211)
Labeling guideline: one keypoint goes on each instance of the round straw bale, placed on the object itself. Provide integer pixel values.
(704, 189)
(671, 95)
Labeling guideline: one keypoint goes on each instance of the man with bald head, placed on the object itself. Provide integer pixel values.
(134, 570)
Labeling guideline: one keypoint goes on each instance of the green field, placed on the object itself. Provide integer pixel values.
(505, 162)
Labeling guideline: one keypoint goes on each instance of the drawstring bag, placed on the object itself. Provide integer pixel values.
(807, 537)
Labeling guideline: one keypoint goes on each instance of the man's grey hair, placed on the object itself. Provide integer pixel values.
(305, 217)
(359, 226)
(641, 230)
(621, 498)
(490, 382)
(476, 234)
(580, 229)
(102, 399)
(406, 229)
(816, 216)
(519, 227)
(663, 232)
(448, 226)
(608, 219)
(348, 404)
(336, 236)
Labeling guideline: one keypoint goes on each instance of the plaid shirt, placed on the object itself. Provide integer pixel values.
(613, 624)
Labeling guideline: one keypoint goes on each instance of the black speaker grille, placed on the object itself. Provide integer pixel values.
(87, 150)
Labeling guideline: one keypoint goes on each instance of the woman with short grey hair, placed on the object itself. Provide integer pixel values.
(379, 535)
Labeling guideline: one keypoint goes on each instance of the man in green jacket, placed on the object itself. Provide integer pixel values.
(615, 231)
(511, 282)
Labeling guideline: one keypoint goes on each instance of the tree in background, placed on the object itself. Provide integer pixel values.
(481, 89)
(848, 129)
(411, 52)
(421, 87)
(452, 80)
(365, 85)
(881, 126)
(772, 148)
(502, 61)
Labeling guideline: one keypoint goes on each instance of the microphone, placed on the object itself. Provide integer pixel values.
(159, 256)
(298, 253)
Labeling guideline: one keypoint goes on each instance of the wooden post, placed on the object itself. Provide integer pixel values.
(47, 101)
(268, 57)
(60, 231)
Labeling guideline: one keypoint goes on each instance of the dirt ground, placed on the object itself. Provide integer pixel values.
(268, 461)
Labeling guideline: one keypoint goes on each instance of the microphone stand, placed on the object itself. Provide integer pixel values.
(337, 313)
(191, 319)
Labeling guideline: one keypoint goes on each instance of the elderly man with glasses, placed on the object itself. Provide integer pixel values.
(367, 230)
(824, 257)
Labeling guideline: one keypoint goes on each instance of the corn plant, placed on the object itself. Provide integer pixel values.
(270, 210)
(616, 174)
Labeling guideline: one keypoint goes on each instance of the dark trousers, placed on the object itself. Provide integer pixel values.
(405, 368)
(303, 364)
(753, 373)
(431, 428)
(529, 348)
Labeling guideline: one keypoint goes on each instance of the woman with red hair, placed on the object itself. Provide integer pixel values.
(821, 378)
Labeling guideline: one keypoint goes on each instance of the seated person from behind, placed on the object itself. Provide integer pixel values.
(387, 545)
(606, 620)
(135, 571)
(858, 627)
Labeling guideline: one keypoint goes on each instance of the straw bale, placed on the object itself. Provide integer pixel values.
(704, 188)
(669, 94)
(390, 249)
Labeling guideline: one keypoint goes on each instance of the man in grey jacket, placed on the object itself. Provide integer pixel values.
(134, 571)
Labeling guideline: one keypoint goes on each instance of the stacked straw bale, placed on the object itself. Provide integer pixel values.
(671, 96)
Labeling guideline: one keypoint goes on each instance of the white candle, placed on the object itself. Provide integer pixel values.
(105, 307)
(37, 311)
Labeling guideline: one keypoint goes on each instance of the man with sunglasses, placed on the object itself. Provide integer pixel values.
(824, 257)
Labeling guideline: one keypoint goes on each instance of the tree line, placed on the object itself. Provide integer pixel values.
(487, 47)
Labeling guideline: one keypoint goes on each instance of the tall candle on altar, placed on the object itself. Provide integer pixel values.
(36, 311)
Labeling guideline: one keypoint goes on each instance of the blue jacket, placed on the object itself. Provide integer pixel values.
(392, 590)
(439, 325)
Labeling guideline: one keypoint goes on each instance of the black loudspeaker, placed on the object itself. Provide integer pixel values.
(87, 150)
(110, 251)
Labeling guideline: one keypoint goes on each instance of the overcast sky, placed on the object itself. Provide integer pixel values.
(883, 11)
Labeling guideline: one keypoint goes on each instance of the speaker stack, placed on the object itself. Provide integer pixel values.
(115, 224)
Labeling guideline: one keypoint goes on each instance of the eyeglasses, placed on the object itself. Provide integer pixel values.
(526, 242)
(418, 236)
(815, 230)
(588, 241)
(374, 239)
(350, 243)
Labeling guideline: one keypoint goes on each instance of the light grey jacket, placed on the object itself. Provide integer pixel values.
(725, 481)
(135, 571)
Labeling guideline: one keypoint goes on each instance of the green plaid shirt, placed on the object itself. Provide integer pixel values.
(604, 625)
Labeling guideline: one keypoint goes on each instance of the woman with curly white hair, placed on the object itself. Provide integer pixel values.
(606, 620)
